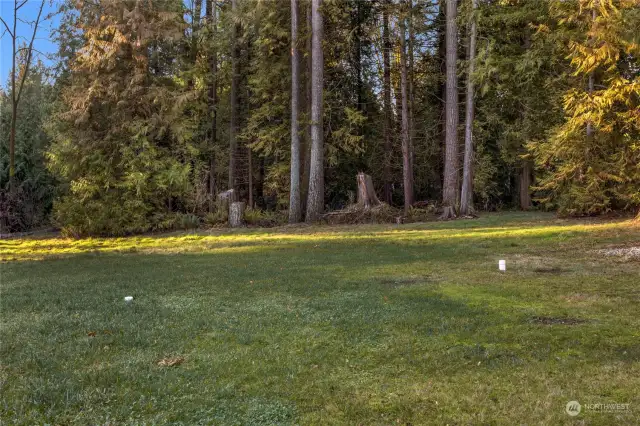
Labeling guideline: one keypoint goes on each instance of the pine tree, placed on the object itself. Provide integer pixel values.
(591, 161)
(119, 147)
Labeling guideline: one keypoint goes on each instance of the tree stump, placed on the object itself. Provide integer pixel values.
(367, 197)
(224, 199)
(236, 214)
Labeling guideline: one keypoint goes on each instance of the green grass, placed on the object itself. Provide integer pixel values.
(409, 324)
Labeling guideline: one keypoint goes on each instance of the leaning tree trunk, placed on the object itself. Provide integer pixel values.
(466, 199)
(367, 197)
(449, 193)
(295, 213)
(407, 169)
(315, 199)
(236, 214)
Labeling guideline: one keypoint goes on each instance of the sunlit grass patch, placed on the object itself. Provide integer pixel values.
(41, 248)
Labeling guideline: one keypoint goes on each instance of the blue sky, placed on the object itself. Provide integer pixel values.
(28, 12)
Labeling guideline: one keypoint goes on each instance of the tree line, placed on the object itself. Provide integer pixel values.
(155, 108)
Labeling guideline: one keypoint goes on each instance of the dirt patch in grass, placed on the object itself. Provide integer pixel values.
(550, 270)
(626, 253)
(557, 320)
(538, 264)
(170, 361)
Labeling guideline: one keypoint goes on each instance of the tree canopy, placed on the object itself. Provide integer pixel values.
(157, 107)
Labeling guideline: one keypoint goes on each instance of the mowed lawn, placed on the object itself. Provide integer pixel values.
(371, 325)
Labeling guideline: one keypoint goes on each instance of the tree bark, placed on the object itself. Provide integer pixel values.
(407, 170)
(195, 30)
(358, 54)
(591, 83)
(295, 213)
(411, 77)
(367, 197)
(224, 199)
(250, 177)
(236, 214)
(315, 200)
(388, 126)
(211, 13)
(233, 114)
(451, 113)
(525, 183)
(466, 199)
(306, 149)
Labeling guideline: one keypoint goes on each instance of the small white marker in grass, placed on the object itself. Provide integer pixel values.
(502, 265)
(128, 299)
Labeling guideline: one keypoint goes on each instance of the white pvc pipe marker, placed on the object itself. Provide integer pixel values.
(502, 265)
(128, 299)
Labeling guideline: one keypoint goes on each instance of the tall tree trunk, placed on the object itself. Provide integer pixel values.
(451, 113)
(466, 199)
(295, 213)
(358, 54)
(250, 177)
(591, 74)
(195, 30)
(315, 200)
(411, 77)
(306, 148)
(388, 126)
(233, 114)
(14, 107)
(211, 13)
(407, 170)
(12, 147)
(525, 183)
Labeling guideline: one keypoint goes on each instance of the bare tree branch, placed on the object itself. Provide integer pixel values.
(21, 4)
(6, 27)
(30, 52)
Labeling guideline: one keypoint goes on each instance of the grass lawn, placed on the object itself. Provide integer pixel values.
(409, 324)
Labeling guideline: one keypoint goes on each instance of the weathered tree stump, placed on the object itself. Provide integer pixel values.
(236, 214)
(367, 197)
(224, 199)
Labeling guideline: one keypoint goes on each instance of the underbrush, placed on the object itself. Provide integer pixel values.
(382, 213)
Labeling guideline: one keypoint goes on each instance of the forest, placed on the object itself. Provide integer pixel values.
(151, 112)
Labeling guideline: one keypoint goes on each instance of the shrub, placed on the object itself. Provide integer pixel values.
(108, 215)
(264, 218)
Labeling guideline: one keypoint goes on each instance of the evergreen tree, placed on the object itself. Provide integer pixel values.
(591, 160)
(117, 149)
